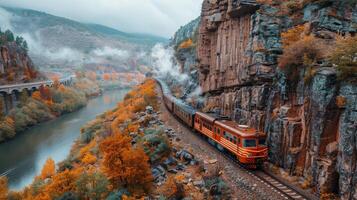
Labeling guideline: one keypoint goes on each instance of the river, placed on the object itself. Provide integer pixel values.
(22, 158)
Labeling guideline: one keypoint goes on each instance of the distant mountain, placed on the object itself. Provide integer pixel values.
(60, 42)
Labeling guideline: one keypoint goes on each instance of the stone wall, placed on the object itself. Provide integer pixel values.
(310, 135)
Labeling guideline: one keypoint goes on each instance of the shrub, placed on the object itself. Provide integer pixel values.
(300, 52)
(92, 186)
(344, 57)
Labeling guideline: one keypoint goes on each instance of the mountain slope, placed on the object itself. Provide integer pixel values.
(57, 41)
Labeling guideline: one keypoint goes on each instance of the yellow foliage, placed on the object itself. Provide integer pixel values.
(48, 170)
(186, 44)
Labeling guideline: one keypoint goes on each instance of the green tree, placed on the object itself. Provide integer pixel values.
(92, 186)
(9, 36)
(19, 40)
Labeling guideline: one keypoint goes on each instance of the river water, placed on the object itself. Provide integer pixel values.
(22, 158)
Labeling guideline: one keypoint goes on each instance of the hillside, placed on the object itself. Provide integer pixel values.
(56, 41)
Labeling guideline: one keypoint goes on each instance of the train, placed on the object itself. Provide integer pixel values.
(246, 144)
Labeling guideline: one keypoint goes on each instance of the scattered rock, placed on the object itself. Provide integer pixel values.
(149, 109)
(212, 161)
(184, 155)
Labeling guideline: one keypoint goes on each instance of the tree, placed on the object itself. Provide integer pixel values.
(92, 186)
(123, 165)
(9, 36)
(25, 46)
(48, 170)
(19, 40)
(63, 182)
(344, 56)
(24, 95)
(3, 187)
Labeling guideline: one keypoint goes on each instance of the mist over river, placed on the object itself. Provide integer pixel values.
(22, 158)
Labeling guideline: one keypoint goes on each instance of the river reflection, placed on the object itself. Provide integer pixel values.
(23, 157)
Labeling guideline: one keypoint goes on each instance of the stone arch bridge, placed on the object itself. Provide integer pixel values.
(11, 93)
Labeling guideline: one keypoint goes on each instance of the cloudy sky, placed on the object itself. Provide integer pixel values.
(159, 17)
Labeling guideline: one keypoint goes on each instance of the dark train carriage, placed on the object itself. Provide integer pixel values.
(183, 111)
(166, 93)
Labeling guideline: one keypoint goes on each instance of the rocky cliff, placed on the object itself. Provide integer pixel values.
(15, 64)
(311, 134)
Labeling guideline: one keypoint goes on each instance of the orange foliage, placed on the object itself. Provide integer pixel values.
(123, 165)
(63, 182)
(48, 170)
(135, 101)
(292, 35)
(86, 149)
(3, 187)
(37, 95)
(186, 44)
(106, 77)
(89, 159)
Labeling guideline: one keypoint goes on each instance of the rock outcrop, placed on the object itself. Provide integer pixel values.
(310, 133)
(15, 65)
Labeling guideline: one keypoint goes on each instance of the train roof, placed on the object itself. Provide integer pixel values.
(242, 130)
(167, 92)
(210, 116)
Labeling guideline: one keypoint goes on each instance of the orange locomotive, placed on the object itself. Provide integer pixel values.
(247, 144)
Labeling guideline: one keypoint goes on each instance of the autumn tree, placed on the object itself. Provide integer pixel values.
(124, 165)
(48, 170)
(344, 56)
(3, 187)
(63, 182)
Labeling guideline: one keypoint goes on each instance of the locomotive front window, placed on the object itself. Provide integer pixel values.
(262, 142)
(249, 143)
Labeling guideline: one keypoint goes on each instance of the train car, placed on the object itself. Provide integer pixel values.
(246, 144)
(166, 95)
(184, 112)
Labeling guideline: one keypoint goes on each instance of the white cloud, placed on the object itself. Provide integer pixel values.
(159, 17)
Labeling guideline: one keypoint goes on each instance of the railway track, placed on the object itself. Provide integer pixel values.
(285, 190)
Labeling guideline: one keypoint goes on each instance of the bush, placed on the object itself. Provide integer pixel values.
(344, 57)
(156, 146)
(300, 52)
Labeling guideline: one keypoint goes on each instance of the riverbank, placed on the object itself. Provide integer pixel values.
(44, 105)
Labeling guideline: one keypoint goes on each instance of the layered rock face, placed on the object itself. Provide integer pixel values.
(15, 65)
(311, 134)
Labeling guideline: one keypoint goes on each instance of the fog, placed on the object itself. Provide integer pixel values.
(159, 17)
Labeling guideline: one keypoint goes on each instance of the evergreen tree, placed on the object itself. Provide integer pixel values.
(9, 36)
